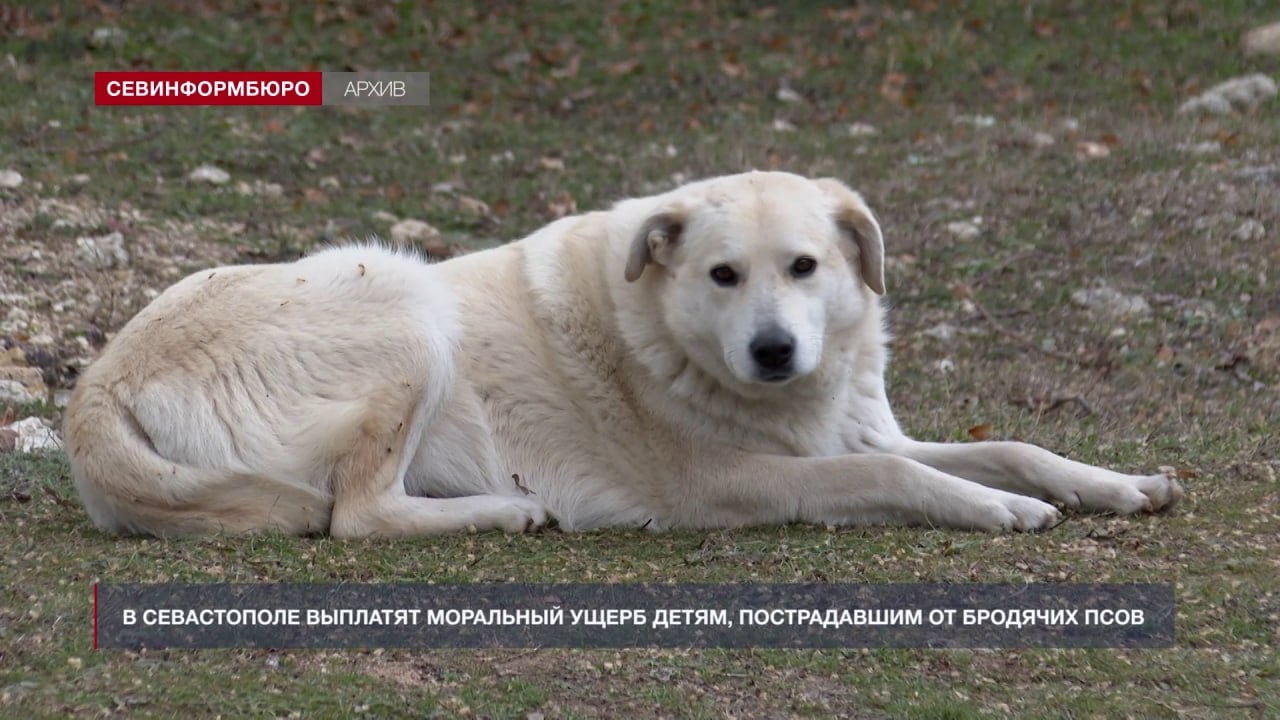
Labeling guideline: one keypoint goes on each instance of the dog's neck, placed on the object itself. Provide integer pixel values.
(795, 418)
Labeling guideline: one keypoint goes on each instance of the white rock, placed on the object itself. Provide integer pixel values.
(1207, 147)
(1041, 139)
(413, 232)
(10, 179)
(787, 95)
(1111, 302)
(384, 217)
(107, 37)
(1089, 150)
(260, 189)
(1263, 40)
(80, 179)
(1237, 94)
(964, 229)
(35, 434)
(861, 129)
(781, 125)
(1068, 126)
(978, 121)
(942, 332)
(12, 391)
(945, 366)
(210, 174)
(1249, 230)
(100, 253)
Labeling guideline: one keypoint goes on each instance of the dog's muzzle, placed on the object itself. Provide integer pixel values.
(773, 350)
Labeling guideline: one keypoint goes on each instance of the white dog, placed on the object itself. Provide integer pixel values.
(710, 357)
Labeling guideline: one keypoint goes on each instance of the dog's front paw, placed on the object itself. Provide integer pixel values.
(1127, 494)
(1004, 512)
(1163, 492)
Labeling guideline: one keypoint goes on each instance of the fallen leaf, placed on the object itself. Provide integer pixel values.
(623, 67)
(562, 205)
(1164, 353)
(980, 432)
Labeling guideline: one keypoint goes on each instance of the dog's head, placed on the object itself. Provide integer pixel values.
(757, 271)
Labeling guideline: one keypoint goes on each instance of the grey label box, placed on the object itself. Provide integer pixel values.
(377, 89)
(811, 615)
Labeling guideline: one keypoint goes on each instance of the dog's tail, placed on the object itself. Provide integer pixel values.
(127, 487)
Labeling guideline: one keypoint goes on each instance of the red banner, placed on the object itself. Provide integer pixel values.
(207, 88)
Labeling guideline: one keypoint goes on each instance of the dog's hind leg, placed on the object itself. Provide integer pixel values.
(370, 499)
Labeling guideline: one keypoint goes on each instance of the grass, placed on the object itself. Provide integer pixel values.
(631, 98)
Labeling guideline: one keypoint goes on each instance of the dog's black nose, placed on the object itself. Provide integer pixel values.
(772, 348)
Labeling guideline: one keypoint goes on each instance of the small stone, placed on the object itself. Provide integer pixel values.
(473, 206)
(1041, 139)
(1249, 230)
(100, 253)
(10, 179)
(1263, 40)
(1207, 147)
(384, 217)
(964, 230)
(413, 232)
(107, 37)
(861, 129)
(942, 332)
(1111, 302)
(1259, 472)
(1239, 94)
(977, 121)
(1069, 126)
(781, 125)
(210, 174)
(787, 95)
(12, 391)
(80, 179)
(1088, 150)
(260, 188)
(330, 183)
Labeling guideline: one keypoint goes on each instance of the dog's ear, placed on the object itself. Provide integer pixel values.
(856, 219)
(654, 241)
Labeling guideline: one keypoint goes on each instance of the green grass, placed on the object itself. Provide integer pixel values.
(524, 82)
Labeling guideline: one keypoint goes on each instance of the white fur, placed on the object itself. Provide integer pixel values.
(594, 364)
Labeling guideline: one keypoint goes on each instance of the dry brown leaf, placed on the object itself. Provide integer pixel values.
(980, 432)
(562, 205)
(623, 67)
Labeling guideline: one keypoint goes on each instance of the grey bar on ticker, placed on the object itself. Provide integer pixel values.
(377, 89)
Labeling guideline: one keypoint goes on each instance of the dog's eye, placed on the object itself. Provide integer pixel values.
(803, 267)
(724, 276)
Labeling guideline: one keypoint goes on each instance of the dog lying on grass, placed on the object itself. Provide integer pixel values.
(710, 357)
